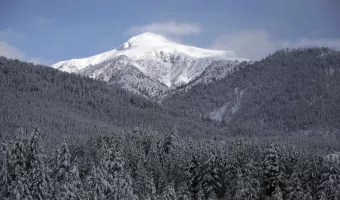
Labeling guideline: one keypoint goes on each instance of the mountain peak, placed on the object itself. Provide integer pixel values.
(163, 62)
(147, 46)
(144, 39)
(147, 36)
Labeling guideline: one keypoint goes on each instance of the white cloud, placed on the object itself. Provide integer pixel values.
(256, 44)
(171, 28)
(9, 51)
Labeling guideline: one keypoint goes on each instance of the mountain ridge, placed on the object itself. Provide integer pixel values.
(289, 90)
(164, 62)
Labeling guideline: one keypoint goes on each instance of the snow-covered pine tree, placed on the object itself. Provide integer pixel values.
(183, 194)
(277, 193)
(96, 185)
(214, 177)
(170, 165)
(39, 180)
(295, 190)
(19, 188)
(273, 176)
(154, 165)
(329, 186)
(171, 141)
(151, 190)
(158, 164)
(311, 172)
(65, 176)
(169, 193)
(76, 182)
(307, 196)
(5, 178)
(182, 190)
(194, 178)
(144, 185)
(208, 181)
(241, 173)
(120, 180)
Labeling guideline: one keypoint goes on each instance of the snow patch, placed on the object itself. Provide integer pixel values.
(218, 114)
(229, 109)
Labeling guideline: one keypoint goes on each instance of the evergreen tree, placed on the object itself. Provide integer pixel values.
(308, 196)
(96, 185)
(329, 186)
(19, 188)
(273, 176)
(295, 189)
(76, 182)
(277, 193)
(194, 178)
(311, 174)
(120, 180)
(66, 176)
(183, 194)
(214, 182)
(152, 193)
(40, 183)
(144, 183)
(5, 177)
(241, 172)
(169, 193)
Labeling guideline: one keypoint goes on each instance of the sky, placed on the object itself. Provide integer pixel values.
(46, 32)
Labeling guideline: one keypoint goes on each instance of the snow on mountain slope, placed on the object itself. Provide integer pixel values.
(217, 70)
(164, 64)
(122, 72)
(229, 109)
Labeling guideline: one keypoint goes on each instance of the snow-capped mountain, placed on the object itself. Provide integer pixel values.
(148, 64)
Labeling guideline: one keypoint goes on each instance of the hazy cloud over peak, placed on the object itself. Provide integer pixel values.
(256, 44)
(171, 28)
(10, 51)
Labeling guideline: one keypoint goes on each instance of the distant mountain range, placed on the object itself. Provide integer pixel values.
(152, 66)
(199, 92)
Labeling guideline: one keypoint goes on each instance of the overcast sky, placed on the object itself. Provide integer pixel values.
(46, 32)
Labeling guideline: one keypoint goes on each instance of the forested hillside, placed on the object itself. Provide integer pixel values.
(288, 91)
(71, 105)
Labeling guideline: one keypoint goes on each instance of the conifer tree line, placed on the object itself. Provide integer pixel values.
(147, 165)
